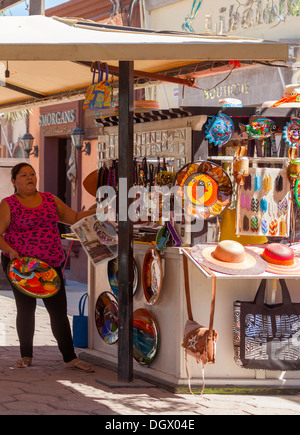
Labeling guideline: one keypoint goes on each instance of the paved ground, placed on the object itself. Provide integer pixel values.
(47, 388)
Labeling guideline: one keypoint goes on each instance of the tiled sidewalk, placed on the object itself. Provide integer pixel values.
(47, 388)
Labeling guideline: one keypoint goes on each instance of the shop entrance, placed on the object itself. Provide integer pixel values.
(57, 155)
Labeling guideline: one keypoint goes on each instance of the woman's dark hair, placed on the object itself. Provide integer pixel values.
(16, 169)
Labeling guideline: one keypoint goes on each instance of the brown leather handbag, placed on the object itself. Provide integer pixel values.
(199, 341)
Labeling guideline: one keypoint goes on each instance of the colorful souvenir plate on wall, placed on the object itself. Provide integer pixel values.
(146, 337)
(106, 317)
(34, 277)
(152, 276)
(219, 129)
(112, 271)
(204, 189)
(291, 133)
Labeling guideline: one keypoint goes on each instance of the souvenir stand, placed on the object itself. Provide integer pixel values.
(160, 314)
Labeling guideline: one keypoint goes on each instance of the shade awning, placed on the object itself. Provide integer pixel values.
(41, 53)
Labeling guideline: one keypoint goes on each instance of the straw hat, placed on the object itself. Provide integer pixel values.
(90, 183)
(281, 259)
(290, 91)
(229, 257)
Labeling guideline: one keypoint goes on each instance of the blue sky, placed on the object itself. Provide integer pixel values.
(21, 8)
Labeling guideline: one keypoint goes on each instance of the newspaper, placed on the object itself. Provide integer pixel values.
(98, 239)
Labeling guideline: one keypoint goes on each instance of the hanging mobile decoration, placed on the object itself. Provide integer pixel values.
(291, 133)
(219, 129)
(259, 128)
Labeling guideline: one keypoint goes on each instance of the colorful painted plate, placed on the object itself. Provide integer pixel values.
(152, 276)
(204, 189)
(34, 277)
(146, 337)
(106, 317)
(112, 272)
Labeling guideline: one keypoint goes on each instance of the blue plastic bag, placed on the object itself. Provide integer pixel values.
(80, 325)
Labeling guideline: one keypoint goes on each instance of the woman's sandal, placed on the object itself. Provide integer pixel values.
(23, 363)
(77, 364)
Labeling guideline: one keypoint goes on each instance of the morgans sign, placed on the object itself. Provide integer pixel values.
(58, 118)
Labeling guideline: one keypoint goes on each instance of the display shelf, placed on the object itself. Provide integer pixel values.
(265, 275)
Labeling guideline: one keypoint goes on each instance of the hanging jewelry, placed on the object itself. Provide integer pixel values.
(248, 203)
(254, 205)
(254, 224)
(246, 223)
(247, 184)
(264, 226)
(267, 184)
(283, 227)
(279, 183)
(257, 183)
(264, 205)
(273, 227)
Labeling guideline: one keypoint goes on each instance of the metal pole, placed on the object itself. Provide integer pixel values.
(125, 227)
(37, 7)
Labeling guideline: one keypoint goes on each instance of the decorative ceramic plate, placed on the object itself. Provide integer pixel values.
(204, 189)
(152, 276)
(34, 277)
(106, 317)
(146, 336)
(112, 271)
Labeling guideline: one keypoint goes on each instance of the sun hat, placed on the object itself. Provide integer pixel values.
(281, 259)
(90, 183)
(291, 97)
(229, 257)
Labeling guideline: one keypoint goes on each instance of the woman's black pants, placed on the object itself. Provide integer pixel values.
(57, 309)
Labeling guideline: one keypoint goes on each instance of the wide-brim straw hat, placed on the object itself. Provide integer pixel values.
(248, 263)
(90, 183)
(283, 252)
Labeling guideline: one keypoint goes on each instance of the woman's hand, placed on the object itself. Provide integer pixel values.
(13, 254)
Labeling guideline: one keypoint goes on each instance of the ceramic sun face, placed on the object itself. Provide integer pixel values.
(202, 189)
(219, 129)
(291, 133)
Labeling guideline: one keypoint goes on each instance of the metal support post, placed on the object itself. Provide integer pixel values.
(125, 225)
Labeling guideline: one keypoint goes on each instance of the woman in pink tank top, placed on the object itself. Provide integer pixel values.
(29, 226)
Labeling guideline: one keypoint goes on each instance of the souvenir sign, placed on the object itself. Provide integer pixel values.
(263, 207)
(152, 276)
(34, 277)
(219, 129)
(259, 128)
(205, 189)
(112, 271)
(146, 337)
(106, 317)
(291, 133)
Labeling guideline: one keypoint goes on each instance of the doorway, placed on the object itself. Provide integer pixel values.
(57, 155)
